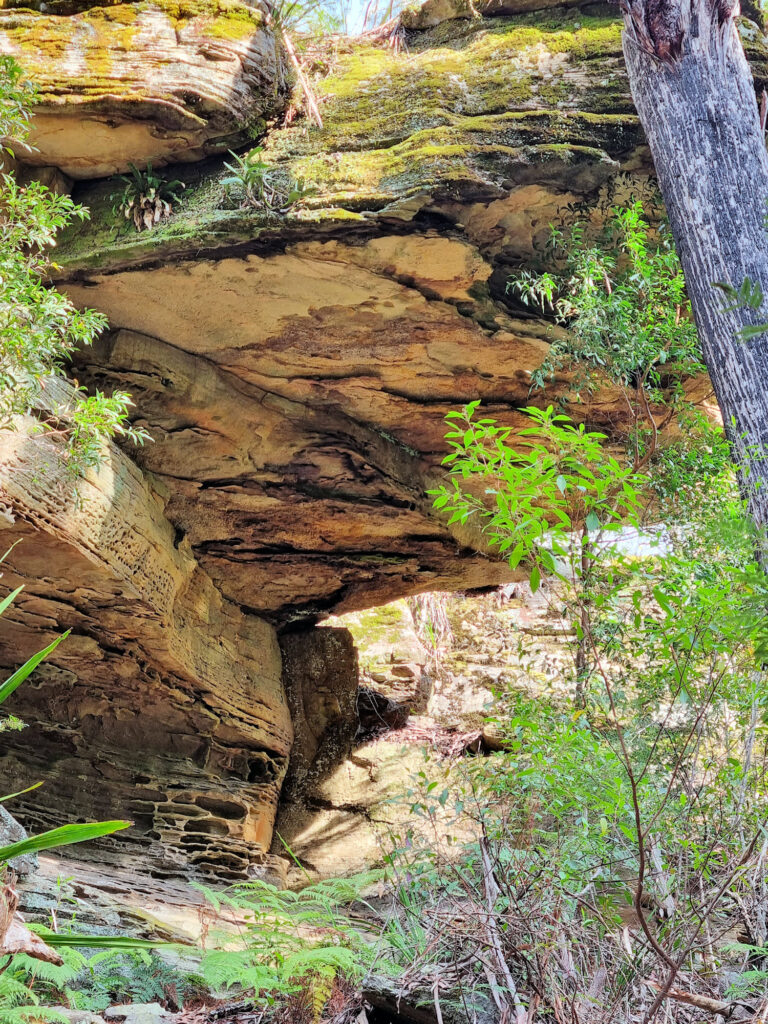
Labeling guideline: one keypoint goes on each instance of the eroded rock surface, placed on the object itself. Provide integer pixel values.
(297, 404)
(164, 704)
(320, 675)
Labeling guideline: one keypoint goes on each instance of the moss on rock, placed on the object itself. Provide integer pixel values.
(92, 43)
(471, 110)
(482, 68)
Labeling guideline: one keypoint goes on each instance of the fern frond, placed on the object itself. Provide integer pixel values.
(31, 1013)
(13, 992)
(54, 974)
(229, 968)
(321, 987)
(320, 959)
(342, 891)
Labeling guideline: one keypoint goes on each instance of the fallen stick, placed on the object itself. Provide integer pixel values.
(702, 1002)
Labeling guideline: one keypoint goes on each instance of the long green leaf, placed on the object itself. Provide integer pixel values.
(18, 677)
(63, 836)
(103, 941)
(10, 598)
(10, 549)
(21, 792)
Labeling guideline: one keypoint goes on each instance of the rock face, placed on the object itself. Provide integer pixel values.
(146, 82)
(294, 370)
(320, 674)
(164, 704)
(297, 406)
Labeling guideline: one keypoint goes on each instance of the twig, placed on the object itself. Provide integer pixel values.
(436, 998)
(491, 890)
(700, 1002)
(313, 110)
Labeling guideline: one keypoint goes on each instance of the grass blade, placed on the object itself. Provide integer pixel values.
(63, 836)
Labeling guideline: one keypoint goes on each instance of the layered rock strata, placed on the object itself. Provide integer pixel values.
(145, 82)
(164, 704)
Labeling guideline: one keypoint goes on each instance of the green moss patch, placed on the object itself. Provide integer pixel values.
(470, 110)
(494, 66)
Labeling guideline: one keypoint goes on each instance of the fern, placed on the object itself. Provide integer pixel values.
(31, 1014)
(54, 975)
(138, 976)
(224, 969)
(320, 958)
(291, 944)
(321, 987)
(13, 992)
(92, 983)
(20, 1005)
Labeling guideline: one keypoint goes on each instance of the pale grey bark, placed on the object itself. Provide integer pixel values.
(694, 93)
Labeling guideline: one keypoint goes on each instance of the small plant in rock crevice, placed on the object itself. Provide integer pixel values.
(260, 185)
(620, 294)
(146, 198)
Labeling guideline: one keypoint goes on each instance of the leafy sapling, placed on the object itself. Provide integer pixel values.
(540, 487)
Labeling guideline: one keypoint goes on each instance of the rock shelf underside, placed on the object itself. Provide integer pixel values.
(294, 371)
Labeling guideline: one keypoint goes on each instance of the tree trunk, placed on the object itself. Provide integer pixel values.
(694, 93)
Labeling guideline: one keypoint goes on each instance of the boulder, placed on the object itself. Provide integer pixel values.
(75, 1016)
(144, 82)
(12, 832)
(137, 1013)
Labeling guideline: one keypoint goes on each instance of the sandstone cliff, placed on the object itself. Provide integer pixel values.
(294, 370)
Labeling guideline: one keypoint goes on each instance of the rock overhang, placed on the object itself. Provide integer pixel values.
(295, 371)
(148, 82)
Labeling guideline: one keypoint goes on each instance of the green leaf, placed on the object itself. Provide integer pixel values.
(548, 560)
(535, 579)
(21, 792)
(10, 549)
(592, 522)
(18, 677)
(119, 942)
(10, 598)
(752, 331)
(517, 554)
(64, 836)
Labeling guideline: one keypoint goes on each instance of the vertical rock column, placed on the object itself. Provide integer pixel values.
(320, 674)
